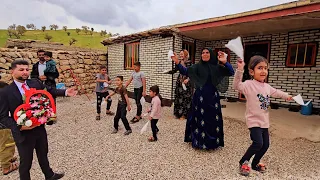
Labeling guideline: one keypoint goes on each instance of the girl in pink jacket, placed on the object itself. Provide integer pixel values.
(155, 111)
(257, 94)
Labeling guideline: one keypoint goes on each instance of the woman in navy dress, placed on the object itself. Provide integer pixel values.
(205, 125)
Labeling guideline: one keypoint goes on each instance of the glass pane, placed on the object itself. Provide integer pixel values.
(309, 55)
(301, 51)
(129, 56)
(293, 50)
(137, 54)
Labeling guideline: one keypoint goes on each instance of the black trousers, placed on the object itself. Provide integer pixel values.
(101, 95)
(34, 139)
(121, 114)
(259, 146)
(137, 97)
(154, 128)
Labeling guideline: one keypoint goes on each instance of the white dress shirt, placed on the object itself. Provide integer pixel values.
(41, 68)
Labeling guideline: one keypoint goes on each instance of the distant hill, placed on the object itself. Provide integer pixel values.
(83, 40)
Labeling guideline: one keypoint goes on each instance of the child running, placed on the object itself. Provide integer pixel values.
(257, 94)
(155, 111)
(123, 103)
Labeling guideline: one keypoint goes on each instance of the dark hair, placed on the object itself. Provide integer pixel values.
(103, 67)
(18, 62)
(3, 84)
(48, 53)
(255, 60)
(156, 90)
(40, 51)
(137, 64)
(120, 77)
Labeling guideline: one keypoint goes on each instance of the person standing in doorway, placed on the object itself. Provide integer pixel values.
(139, 84)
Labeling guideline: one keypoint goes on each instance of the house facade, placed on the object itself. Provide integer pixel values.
(288, 35)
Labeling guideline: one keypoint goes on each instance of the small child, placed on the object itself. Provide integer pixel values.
(257, 94)
(123, 103)
(155, 111)
(50, 64)
(139, 85)
(102, 92)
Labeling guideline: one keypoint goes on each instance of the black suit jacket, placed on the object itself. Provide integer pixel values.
(10, 99)
(50, 76)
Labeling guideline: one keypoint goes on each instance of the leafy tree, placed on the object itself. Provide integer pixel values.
(43, 28)
(68, 33)
(92, 29)
(47, 37)
(78, 30)
(54, 27)
(13, 27)
(10, 32)
(21, 30)
(65, 28)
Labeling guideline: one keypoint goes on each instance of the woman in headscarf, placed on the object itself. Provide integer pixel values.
(182, 97)
(204, 125)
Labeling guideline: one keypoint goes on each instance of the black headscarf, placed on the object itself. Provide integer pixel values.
(200, 72)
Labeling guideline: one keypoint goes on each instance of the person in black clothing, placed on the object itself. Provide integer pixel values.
(39, 70)
(27, 138)
(183, 90)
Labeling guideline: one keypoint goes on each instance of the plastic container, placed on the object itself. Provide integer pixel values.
(61, 86)
(306, 110)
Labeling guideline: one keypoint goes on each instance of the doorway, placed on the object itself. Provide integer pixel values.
(261, 48)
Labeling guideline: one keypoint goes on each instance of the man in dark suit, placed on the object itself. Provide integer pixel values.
(27, 138)
(38, 68)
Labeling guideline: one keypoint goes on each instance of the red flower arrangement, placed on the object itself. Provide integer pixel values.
(39, 108)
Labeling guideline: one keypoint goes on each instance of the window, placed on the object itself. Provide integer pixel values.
(190, 48)
(301, 55)
(131, 54)
(226, 50)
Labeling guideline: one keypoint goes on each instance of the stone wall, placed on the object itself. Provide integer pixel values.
(305, 80)
(153, 58)
(84, 65)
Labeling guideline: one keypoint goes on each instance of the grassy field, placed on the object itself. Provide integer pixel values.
(61, 36)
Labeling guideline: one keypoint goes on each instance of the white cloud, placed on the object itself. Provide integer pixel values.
(120, 16)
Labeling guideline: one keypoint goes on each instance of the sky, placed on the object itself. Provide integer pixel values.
(120, 16)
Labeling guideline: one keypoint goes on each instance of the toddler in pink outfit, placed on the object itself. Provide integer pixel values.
(155, 111)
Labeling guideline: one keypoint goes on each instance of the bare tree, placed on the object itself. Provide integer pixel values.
(47, 37)
(85, 29)
(91, 33)
(103, 33)
(65, 28)
(43, 28)
(72, 41)
(16, 34)
(13, 27)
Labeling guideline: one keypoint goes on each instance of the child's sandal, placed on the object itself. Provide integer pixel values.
(244, 169)
(260, 168)
(151, 139)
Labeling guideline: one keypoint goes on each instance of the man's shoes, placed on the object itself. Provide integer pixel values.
(56, 176)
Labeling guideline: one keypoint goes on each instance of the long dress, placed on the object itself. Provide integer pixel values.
(204, 126)
(182, 98)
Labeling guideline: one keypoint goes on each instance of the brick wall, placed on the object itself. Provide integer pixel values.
(84, 65)
(305, 81)
(154, 60)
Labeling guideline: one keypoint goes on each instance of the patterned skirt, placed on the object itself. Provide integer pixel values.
(205, 125)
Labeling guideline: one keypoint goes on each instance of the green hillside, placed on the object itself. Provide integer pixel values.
(83, 40)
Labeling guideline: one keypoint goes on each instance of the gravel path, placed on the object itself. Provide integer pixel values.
(85, 149)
